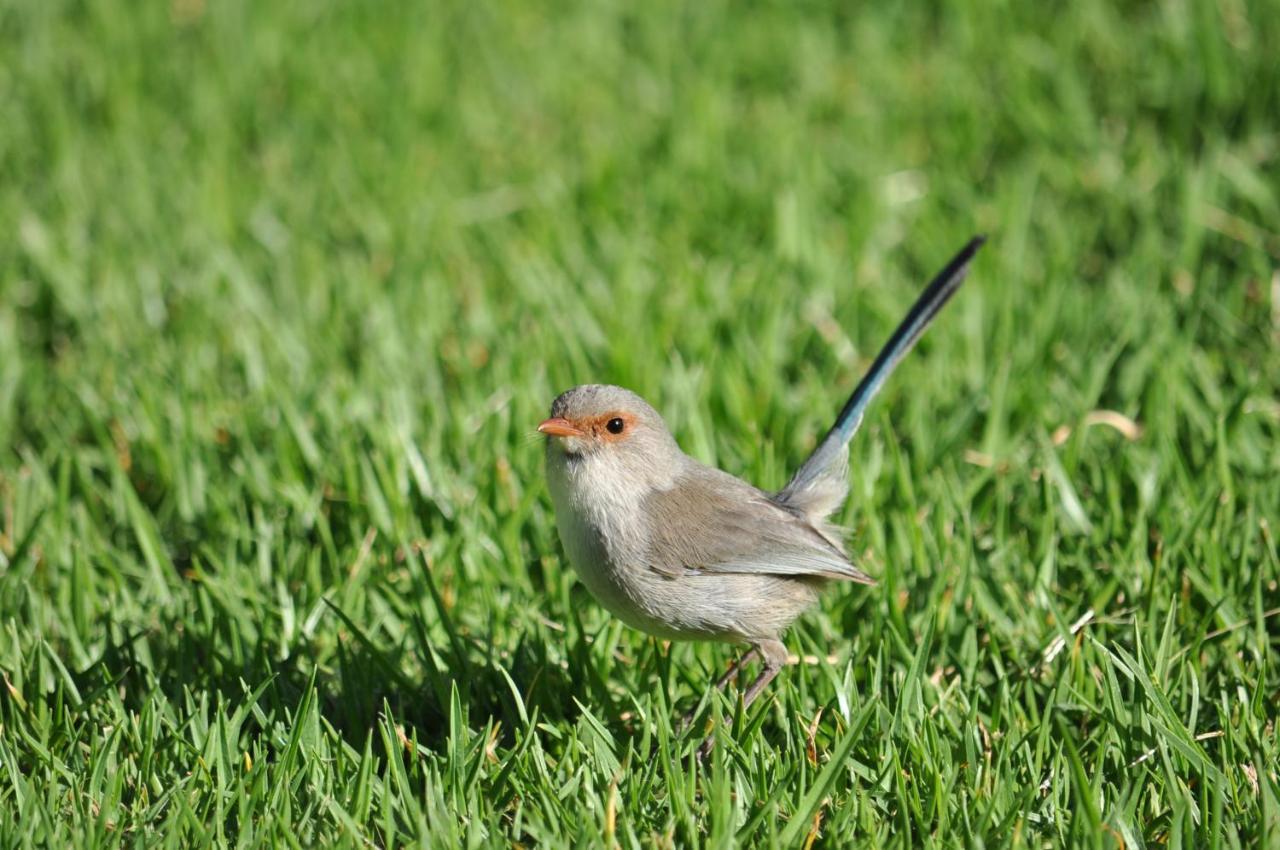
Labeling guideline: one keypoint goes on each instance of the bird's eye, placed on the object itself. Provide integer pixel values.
(615, 425)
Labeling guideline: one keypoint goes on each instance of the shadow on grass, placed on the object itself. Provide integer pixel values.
(353, 679)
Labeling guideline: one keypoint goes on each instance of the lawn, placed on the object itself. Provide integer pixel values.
(286, 287)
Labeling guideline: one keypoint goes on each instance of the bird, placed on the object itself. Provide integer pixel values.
(684, 551)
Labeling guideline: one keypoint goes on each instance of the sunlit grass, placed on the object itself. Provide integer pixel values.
(285, 288)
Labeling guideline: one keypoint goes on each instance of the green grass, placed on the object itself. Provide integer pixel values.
(285, 288)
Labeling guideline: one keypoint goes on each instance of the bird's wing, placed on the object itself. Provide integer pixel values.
(711, 522)
(821, 483)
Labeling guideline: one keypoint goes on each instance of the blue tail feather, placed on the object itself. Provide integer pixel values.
(935, 295)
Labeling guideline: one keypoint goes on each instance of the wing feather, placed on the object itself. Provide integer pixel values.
(711, 522)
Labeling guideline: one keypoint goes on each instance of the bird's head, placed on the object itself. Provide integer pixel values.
(599, 423)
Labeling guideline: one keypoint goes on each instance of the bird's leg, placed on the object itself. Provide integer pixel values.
(774, 655)
(734, 669)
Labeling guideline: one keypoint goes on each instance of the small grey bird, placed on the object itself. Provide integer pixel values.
(680, 550)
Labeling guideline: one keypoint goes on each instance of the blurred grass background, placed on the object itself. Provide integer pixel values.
(285, 287)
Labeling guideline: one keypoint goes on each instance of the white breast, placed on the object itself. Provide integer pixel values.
(601, 528)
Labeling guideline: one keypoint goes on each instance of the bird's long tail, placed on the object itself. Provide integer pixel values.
(811, 488)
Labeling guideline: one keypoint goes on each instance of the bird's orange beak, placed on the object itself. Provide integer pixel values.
(559, 427)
